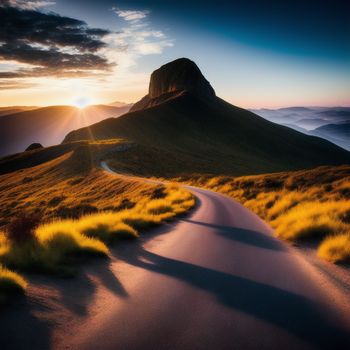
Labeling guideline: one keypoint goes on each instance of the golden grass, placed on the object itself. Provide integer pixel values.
(310, 219)
(308, 204)
(69, 186)
(11, 284)
(335, 248)
(49, 251)
(56, 242)
(83, 209)
(104, 226)
(11, 281)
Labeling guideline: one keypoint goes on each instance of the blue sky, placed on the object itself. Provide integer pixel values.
(255, 53)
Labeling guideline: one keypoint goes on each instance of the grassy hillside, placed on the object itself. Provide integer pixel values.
(308, 204)
(48, 125)
(67, 182)
(191, 134)
(65, 206)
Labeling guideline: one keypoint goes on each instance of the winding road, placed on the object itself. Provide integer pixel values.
(217, 279)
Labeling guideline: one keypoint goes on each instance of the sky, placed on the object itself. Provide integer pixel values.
(256, 54)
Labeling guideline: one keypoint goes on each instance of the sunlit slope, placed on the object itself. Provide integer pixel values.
(57, 205)
(194, 134)
(66, 183)
(48, 125)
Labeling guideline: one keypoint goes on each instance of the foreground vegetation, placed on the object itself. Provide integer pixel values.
(76, 209)
(51, 247)
(308, 204)
(67, 207)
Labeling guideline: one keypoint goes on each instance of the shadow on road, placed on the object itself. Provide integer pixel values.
(292, 312)
(27, 323)
(23, 330)
(242, 235)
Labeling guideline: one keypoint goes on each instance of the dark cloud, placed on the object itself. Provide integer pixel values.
(53, 44)
(51, 57)
(44, 72)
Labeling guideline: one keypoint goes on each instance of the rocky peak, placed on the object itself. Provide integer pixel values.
(173, 79)
(179, 75)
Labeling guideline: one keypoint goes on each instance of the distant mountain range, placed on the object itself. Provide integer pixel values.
(336, 133)
(181, 126)
(47, 125)
(120, 104)
(15, 109)
(329, 123)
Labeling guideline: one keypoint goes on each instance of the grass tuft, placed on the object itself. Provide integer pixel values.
(63, 236)
(335, 248)
(11, 282)
(54, 244)
(105, 226)
(159, 206)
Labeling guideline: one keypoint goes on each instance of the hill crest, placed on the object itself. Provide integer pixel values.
(173, 79)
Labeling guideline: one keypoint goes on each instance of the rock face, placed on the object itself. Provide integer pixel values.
(34, 146)
(181, 75)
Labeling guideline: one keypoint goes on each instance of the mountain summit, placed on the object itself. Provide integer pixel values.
(182, 127)
(179, 75)
(172, 79)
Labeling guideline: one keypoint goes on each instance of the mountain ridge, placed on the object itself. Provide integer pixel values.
(189, 132)
(48, 125)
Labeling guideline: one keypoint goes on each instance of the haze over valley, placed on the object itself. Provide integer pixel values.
(330, 123)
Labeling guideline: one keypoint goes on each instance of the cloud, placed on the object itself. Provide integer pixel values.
(26, 4)
(127, 48)
(129, 15)
(138, 38)
(50, 43)
(152, 48)
(38, 47)
(13, 85)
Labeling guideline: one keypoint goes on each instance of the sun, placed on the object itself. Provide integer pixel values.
(81, 102)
